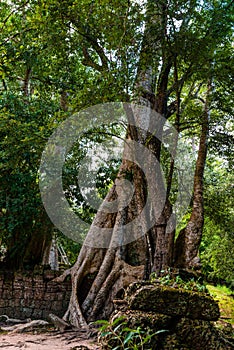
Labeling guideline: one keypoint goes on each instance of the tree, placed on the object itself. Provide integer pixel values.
(157, 54)
(27, 115)
(109, 270)
(189, 239)
(25, 227)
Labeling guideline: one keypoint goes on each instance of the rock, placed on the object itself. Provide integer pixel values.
(173, 318)
(136, 318)
(172, 332)
(200, 334)
(173, 302)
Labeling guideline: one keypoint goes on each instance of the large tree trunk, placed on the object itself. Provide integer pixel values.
(128, 255)
(189, 239)
(99, 275)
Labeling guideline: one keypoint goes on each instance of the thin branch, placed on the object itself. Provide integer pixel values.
(15, 35)
(4, 84)
(88, 61)
(105, 133)
(124, 26)
(84, 32)
(171, 109)
(179, 84)
(11, 13)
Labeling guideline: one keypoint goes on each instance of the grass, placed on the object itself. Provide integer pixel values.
(224, 296)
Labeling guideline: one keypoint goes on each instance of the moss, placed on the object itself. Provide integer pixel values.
(173, 301)
(183, 317)
(225, 301)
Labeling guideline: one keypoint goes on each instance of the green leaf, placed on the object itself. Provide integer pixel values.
(128, 337)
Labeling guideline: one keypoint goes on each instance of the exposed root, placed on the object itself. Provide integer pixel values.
(107, 268)
(59, 323)
(61, 278)
(24, 327)
(8, 320)
(99, 280)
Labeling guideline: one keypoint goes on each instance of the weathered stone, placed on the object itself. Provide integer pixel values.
(4, 303)
(56, 305)
(60, 296)
(65, 304)
(173, 332)
(18, 293)
(173, 302)
(49, 275)
(7, 293)
(27, 312)
(145, 320)
(37, 313)
(200, 334)
(33, 293)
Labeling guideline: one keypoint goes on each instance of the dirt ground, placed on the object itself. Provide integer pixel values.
(46, 341)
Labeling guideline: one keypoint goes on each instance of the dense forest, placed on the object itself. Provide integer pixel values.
(158, 63)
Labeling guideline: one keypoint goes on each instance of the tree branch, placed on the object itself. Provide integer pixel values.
(11, 13)
(89, 62)
(85, 33)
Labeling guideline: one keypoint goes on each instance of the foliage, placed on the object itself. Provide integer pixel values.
(57, 57)
(76, 170)
(178, 282)
(217, 247)
(25, 123)
(117, 335)
(23, 134)
(224, 296)
(70, 247)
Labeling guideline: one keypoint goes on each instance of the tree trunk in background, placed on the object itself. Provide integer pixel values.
(40, 238)
(53, 257)
(36, 247)
(28, 243)
(189, 239)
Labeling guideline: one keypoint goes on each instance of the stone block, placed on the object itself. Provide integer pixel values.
(56, 305)
(144, 320)
(38, 294)
(27, 312)
(18, 293)
(37, 313)
(174, 302)
(7, 293)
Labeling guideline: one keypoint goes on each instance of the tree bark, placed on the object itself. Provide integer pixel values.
(27, 243)
(189, 239)
(26, 81)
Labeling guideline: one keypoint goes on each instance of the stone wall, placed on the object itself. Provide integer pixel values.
(33, 295)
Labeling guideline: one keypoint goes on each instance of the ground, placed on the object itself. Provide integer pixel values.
(46, 341)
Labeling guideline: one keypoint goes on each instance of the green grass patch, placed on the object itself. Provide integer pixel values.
(226, 301)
